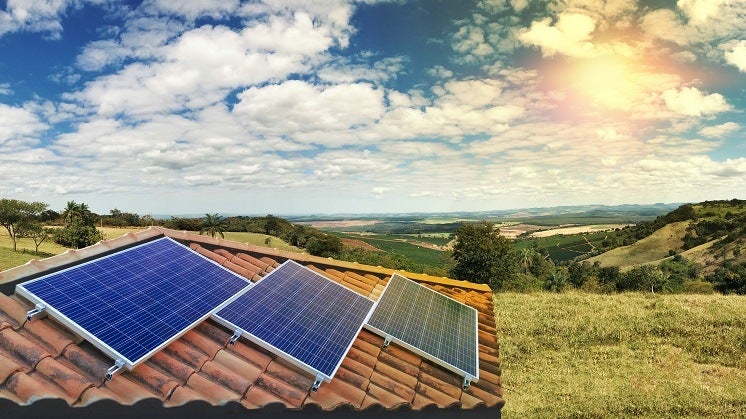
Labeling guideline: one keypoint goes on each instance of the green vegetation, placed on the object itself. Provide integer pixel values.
(576, 355)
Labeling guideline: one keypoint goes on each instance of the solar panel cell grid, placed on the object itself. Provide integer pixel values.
(442, 329)
(133, 302)
(306, 317)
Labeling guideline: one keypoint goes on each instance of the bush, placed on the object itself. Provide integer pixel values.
(698, 287)
(77, 235)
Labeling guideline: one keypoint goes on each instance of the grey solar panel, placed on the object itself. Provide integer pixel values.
(300, 315)
(134, 302)
(431, 324)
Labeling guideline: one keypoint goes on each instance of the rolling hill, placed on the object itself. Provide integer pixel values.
(713, 234)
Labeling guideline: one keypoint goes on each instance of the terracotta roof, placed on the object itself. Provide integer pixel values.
(41, 359)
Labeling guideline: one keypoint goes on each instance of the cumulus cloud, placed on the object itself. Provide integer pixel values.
(690, 101)
(570, 35)
(297, 106)
(717, 131)
(204, 64)
(192, 9)
(34, 16)
(18, 124)
(735, 54)
(700, 11)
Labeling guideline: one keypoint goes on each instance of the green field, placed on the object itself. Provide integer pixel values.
(565, 247)
(577, 355)
(400, 244)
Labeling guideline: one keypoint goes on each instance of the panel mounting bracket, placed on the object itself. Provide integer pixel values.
(467, 383)
(386, 341)
(37, 311)
(117, 367)
(236, 334)
(317, 383)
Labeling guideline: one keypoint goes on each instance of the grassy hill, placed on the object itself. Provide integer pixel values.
(652, 248)
(713, 233)
(574, 355)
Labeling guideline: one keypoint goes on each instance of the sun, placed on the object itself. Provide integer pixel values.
(604, 83)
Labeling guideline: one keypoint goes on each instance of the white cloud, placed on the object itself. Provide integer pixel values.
(18, 124)
(735, 54)
(295, 107)
(5, 89)
(716, 131)
(664, 24)
(34, 16)
(570, 35)
(700, 11)
(440, 72)
(201, 67)
(193, 8)
(690, 101)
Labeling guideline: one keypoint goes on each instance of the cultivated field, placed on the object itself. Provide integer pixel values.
(577, 229)
(625, 355)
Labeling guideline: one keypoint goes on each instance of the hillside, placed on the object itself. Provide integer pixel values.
(652, 248)
(712, 234)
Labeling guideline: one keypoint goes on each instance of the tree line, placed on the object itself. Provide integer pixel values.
(482, 255)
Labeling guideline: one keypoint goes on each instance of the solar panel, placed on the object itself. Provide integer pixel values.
(134, 302)
(428, 323)
(302, 316)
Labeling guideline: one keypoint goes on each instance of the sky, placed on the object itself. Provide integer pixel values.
(299, 107)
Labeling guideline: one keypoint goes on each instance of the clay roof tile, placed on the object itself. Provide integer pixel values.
(41, 359)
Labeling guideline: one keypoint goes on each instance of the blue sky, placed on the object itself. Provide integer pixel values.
(295, 107)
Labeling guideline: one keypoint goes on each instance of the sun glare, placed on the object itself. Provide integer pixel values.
(603, 83)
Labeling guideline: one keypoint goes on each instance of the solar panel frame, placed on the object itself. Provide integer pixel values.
(120, 359)
(302, 364)
(405, 341)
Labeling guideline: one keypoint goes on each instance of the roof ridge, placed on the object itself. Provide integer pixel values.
(35, 266)
(305, 257)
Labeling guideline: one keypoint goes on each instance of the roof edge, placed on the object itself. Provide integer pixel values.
(305, 257)
(36, 266)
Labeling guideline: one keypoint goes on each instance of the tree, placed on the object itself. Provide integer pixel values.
(556, 280)
(14, 212)
(34, 231)
(213, 224)
(325, 246)
(74, 211)
(71, 212)
(482, 255)
(77, 235)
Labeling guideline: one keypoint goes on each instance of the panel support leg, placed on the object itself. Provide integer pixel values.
(466, 384)
(114, 369)
(386, 342)
(317, 383)
(38, 310)
(237, 334)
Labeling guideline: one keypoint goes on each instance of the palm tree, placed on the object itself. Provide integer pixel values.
(71, 211)
(212, 225)
(527, 258)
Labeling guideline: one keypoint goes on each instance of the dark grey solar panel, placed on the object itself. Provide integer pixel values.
(134, 302)
(430, 324)
(304, 317)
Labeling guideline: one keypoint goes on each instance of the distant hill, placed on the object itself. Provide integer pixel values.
(710, 233)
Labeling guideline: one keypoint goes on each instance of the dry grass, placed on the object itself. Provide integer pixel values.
(651, 248)
(626, 355)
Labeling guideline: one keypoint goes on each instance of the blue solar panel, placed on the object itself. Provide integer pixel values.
(134, 302)
(305, 317)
